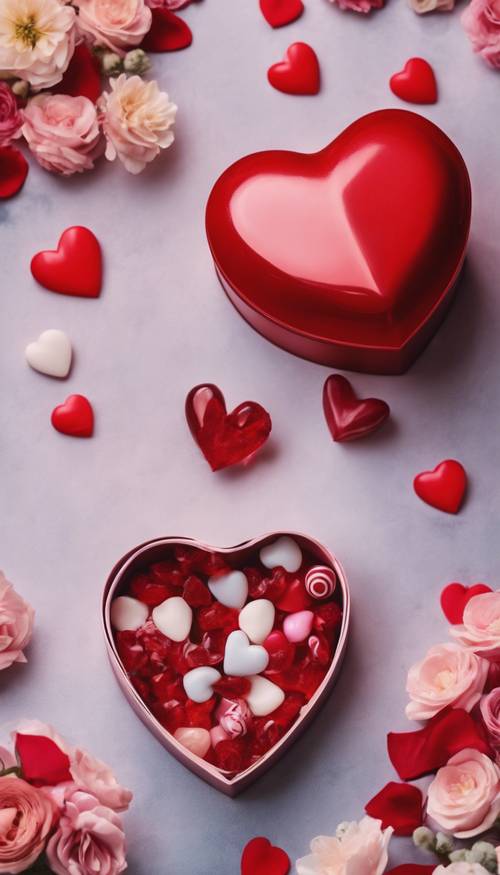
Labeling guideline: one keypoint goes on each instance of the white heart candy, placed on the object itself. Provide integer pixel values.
(241, 658)
(174, 618)
(128, 614)
(284, 552)
(198, 683)
(257, 619)
(230, 589)
(50, 354)
(264, 697)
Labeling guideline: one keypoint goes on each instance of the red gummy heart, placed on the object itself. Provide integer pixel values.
(349, 418)
(454, 598)
(295, 598)
(74, 268)
(260, 857)
(83, 76)
(298, 73)
(225, 438)
(168, 33)
(443, 488)
(416, 83)
(280, 12)
(75, 417)
(13, 171)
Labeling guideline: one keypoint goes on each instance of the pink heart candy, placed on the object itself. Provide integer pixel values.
(298, 626)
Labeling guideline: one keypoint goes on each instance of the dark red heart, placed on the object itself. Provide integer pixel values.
(298, 73)
(260, 857)
(454, 598)
(75, 268)
(83, 76)
(225, 438)
(13, 171)
(348, 417)
(75, 417)
(444, 487)
(168, 32)
(280, 12)
(416, 82)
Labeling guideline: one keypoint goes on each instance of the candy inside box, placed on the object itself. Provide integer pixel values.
(226, 654)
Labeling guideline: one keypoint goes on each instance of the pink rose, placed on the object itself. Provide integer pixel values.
(481, 22)
(26, 819)
(117, 24)
(10, 117)
(359, 5)
(490, 711)
(88, 839)
(96, 777)
(464, 797)
(480, 629)
(16, 624)
(448, 675)
(357, 848)
(168, 4)
(63, 132)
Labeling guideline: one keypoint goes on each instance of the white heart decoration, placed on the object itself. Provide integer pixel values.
(174, 618)
(284, 552)
(264, 697)
(128, 614)
(257, 619)
(230, 589)
(51, 354)
(198, 683)
(241, 658)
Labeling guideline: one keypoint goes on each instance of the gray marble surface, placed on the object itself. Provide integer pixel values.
(70, 508)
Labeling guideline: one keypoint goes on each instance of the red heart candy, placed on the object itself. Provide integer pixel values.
(260, 857)
(225, 438)
(349, 418)
(168, 33)
(75, 268)
(298, 73)
(454, 598)
(83, 76)
(295, 598)
(13, 171)
(280, 12)
(416, 83)
(75, 417)
(444, 487)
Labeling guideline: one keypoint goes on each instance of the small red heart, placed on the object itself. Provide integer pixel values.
(443, 488)
(416, 82)
(298, 73)
(13, 171)
(75, 268)
(83, 76)
(347, 417)
(168, 33)
(454, 598)
(75, 417)
(260, 857)
(295, 598)
(280, 12)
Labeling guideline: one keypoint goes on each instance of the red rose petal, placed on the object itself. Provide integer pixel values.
(414, 754)
(261, 858)
(83, 76)
(168, 33)
(412, 869)
(43, 763)
(13, 171)
(399, 806)
(454, 598)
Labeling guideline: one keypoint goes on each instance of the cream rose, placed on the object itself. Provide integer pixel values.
(480, 629)
(358, 847)
(448, 675)
(63, 132)
(461, 869)
(423, 6)
(16, 624)
(117, 24)
(464, 797)
(37, 40)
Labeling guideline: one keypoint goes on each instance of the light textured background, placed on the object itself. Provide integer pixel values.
(70, 508)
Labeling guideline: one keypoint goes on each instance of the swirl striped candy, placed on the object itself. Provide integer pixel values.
(320, 581)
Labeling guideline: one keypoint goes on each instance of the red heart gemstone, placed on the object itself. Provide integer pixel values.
(298, 73)
(168, 32)
(260, 857)
(280, 12)
(225, 438)
(75, 268)
(416, 83)
(349, 418)
(13, 171)
(75, 417)
(83, 76)
(443, 488)
(454, 598)
(347, 256)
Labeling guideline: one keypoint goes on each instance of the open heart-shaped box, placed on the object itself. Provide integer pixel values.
(136, 572)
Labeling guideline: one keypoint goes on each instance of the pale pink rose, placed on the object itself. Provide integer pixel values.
(117, 24)
(364, 6)
(16, 624)
(10, 117)
(26, 819)
(63, 132)
(357, 848)
(481, 22)
(37, 40)
(464, 797)
(461, 869)
(448, 675)
(168, 4)
(423, 6)
(96, 777)
(490, 712)
(137, 120)
(480, 629)
(88, 840)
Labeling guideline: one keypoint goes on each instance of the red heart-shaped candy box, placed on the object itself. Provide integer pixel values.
(348, 256)
(156, 551)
